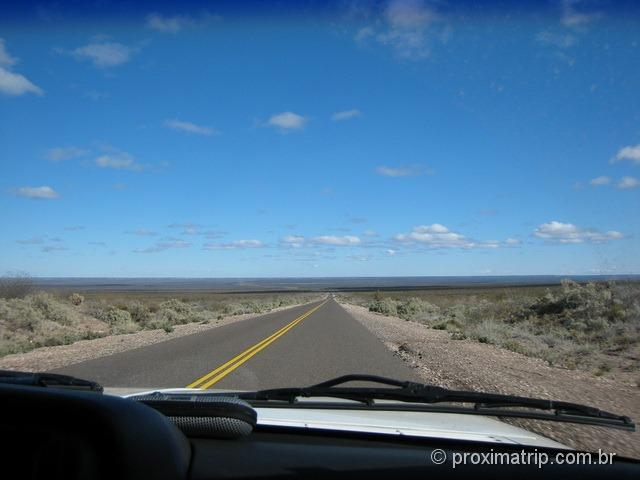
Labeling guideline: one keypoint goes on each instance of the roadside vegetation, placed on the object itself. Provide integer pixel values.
(595, 326)
(31, 319)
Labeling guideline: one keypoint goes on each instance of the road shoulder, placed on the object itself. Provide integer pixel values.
(469, 365)
(48, 358)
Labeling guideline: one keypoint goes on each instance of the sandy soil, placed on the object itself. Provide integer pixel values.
(469, 365)
(47, 358)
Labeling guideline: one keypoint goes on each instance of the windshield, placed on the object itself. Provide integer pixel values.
(240, 196)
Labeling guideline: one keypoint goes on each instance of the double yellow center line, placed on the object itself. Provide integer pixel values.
(226, 368)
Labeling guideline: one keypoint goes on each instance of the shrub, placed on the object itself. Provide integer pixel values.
(76, 299)
(18, 285)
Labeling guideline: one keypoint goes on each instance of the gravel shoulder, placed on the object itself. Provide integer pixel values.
(469, 365)
(48, 358)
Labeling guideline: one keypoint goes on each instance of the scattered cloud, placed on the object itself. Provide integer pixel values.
(104, 54)
(95, 95)
(236, 244)
(53, 248)
(559, 40)
(628, 182)
(568, 233)
(345, 115)
(439, 236)
(142, 232)
(43, 192)
(118, 160)
(168, 24)
(573, 18)
(166, 244)
(370, 233)
(12, 83)
(512, 242)
(600, 181)
(37, 240)
(335, 240)
(293, 240)
(390, 252)
(406, 171)
(287, 121)
(59, 154)
(360, 258)
(5, 58)
(408, 27)
(630, 152)
(173, 24)
(188, 228)
(190, 127)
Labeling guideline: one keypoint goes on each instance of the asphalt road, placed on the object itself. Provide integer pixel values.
(294, 347)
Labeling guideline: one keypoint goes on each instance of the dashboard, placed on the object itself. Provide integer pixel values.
(57, 433)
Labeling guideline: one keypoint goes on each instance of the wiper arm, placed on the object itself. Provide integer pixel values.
(482, 403)
(48, 380)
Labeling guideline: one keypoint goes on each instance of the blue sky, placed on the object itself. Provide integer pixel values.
(387, 138)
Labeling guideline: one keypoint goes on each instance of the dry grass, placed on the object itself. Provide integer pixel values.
(46, 319)
(593, 327)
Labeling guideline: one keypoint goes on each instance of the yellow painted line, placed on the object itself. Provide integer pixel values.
(226, 368)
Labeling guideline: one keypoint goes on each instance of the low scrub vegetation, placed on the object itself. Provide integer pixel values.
(31, 319)
(595, 326)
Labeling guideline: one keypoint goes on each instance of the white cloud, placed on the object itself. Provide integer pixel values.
(390, 252)
(38, 192)
(512, 241)
(236, 244)
(118, 160)
(560, 40)
(398, 171)
(188, 228)
(287, 121)
(335, 240)
(173, 24)
(293, 240)
(167, 244)
(370, 233)
(190, 127)
(345, 115)
(53, 248)
(104, 54)
(5, 58)
(628, 182)
(599, 181)
(37, 240)
(167, 24)
(568, 233)
(574, 19)
(12, 83)
(439, 236)
(142, 232)
(630, 152)
(406, 26)
(16, 84)
(64, 153)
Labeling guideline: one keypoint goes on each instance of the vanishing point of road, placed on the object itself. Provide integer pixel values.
(298, 346)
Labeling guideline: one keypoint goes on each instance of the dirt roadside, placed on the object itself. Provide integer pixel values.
(469, 365)
(47, 358)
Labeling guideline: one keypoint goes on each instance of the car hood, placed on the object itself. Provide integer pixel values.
(451, 426)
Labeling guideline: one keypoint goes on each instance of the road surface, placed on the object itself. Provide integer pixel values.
(298, 346)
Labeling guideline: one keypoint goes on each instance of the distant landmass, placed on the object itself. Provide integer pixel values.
(329, 284)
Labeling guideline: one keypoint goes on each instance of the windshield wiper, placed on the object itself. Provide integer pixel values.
(48, 380)
(421, 397)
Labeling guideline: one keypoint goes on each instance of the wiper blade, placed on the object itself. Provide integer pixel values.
(48, 380)
(491, 404)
